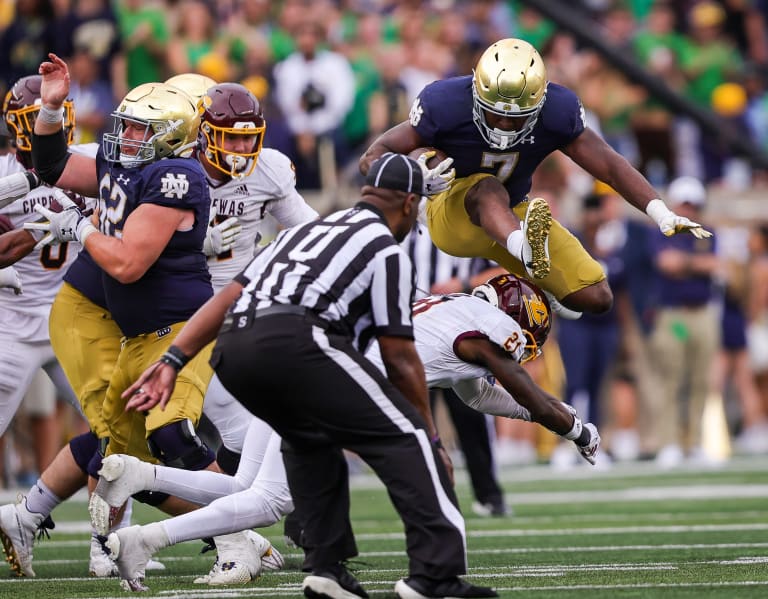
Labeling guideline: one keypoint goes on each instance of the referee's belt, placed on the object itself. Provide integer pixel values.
(242, 320)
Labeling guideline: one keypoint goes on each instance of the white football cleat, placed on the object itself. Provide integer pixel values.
(131, 548)
(271, 559)
(560, 309)
(17, 535)
(535, 227)
(239, 559)
(100, 564)
(120, 477)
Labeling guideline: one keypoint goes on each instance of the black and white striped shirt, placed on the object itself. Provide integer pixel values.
(347, 268)
(433, 265)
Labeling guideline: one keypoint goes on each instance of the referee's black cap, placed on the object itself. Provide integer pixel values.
(396, 171)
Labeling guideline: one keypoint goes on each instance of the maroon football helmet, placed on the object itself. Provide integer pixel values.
(231, 128)
(20, 109)
(523, 301)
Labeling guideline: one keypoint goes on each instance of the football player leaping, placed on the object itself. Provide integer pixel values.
(498, 125)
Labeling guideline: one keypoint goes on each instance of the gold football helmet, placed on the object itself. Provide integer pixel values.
(169, 118)
(510, 80)
(194, 84)
(20, 109)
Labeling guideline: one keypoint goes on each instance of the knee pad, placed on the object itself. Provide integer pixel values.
(94, 465)
(153, 498)
(177, 445)
(83, 448)
(227, 460)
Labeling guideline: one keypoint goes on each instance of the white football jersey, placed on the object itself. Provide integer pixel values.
(41, 271)
(269, 190)
(441, 320)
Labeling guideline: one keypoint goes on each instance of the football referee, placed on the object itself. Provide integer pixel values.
(290, 349)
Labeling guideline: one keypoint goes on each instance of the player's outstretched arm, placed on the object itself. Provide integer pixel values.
(543, 407)
(14, 245)
(53, 163)
(15, 186)
(593, 154)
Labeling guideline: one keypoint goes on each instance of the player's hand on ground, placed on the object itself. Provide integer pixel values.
(589, 451)
(221, 238)
(9, 278)
(439, 178)
(153, 387)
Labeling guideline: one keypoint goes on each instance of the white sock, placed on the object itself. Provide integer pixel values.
(154, 536)
(515, 244)
(126, 519)
(233, 513)
(199, 486)
(41, 500)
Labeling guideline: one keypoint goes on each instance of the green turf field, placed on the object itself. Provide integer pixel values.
(631, 531)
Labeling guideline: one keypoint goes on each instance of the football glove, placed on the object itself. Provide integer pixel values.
(438, 179)
(671, 223)
(589, 451)
(68, 225)
(9, 277)
(221, 238)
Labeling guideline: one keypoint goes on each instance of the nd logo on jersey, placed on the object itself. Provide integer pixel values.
(174, 185)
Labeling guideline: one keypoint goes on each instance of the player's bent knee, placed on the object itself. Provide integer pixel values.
(153, 498)
(177, 445)
(83, 448)
(595, 299)
(228, 460)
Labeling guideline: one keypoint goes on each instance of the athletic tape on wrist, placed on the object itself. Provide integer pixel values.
(52, 116)
(575, 431)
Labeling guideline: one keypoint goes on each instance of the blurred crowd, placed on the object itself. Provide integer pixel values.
(687, 341)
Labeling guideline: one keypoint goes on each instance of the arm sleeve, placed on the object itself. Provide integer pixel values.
(480, 395)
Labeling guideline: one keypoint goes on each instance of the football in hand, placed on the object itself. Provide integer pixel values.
(431, 162)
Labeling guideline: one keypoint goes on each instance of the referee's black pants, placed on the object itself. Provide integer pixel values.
(321, 395)
(472, 431)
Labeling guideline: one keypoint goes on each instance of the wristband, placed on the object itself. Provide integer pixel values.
(175, 358)
(575, 431)
(52, 116)
(85, 230)
(436, 442)
(657, 210)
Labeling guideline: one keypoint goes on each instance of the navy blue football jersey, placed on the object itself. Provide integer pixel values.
(178, 283)
(85, 276)
(442, 116)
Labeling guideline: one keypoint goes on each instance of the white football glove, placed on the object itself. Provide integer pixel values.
(9, 277)
(589, 451)
(438, 179)
(221, 238)
(671, 223)
(67, 225)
